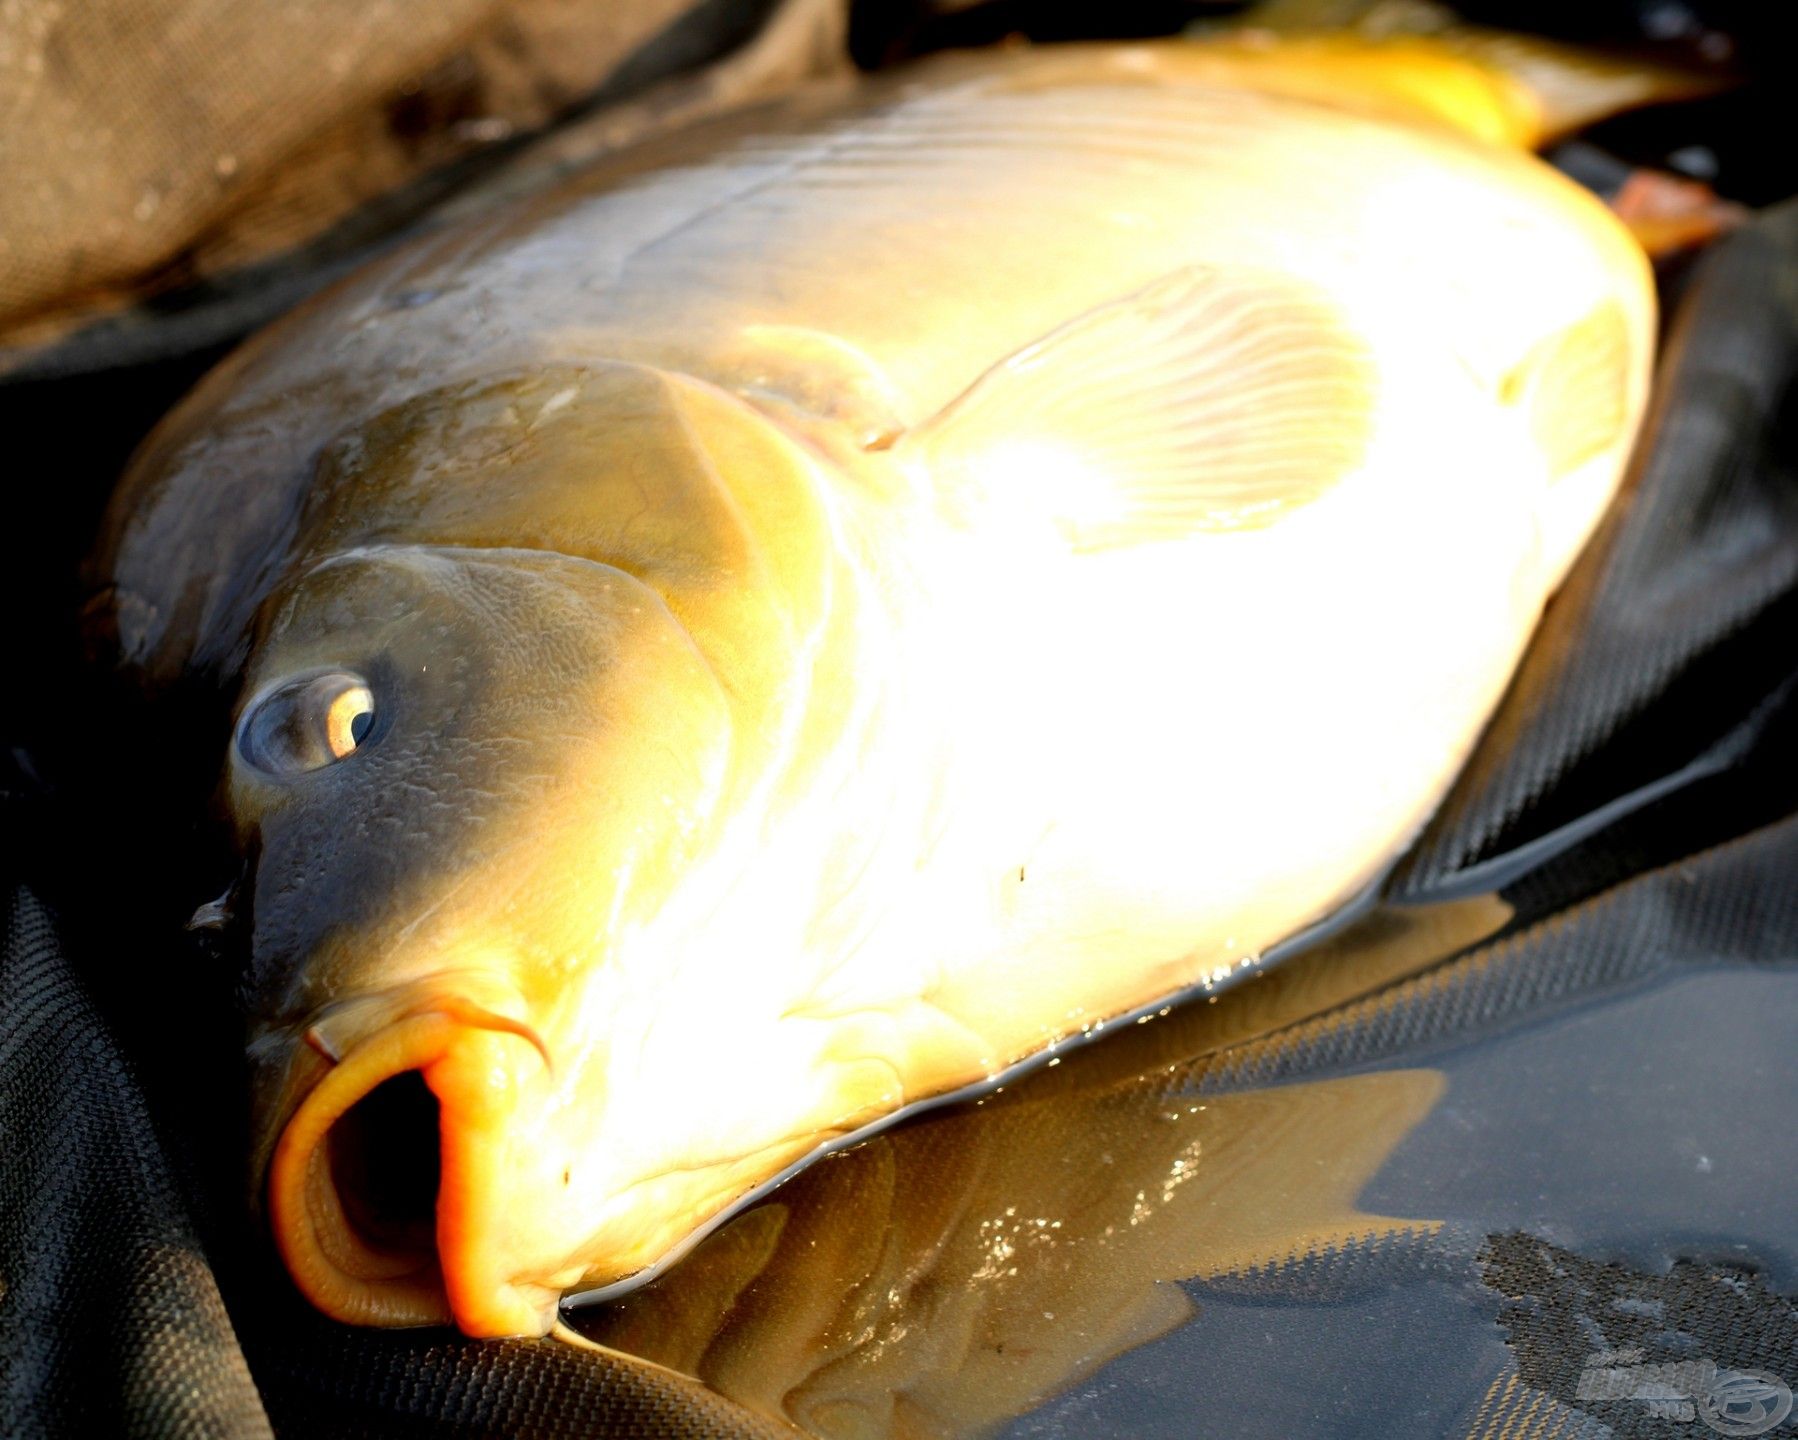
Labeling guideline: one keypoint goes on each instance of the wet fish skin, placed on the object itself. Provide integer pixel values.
(749, 742)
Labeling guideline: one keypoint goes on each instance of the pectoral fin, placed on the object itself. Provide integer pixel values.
(1215, 399)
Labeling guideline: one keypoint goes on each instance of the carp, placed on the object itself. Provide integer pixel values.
(820, 608)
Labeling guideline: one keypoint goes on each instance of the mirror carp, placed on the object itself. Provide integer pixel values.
(829, 604)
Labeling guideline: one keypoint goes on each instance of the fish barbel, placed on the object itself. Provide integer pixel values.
(832, 603)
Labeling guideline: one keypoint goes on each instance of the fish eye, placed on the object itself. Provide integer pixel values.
(307, 723)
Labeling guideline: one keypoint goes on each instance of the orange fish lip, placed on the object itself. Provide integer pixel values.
(361, 1279)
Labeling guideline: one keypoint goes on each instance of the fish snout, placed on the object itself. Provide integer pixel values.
(394, 1188)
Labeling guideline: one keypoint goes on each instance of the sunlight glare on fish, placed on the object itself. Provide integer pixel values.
(1025, 475)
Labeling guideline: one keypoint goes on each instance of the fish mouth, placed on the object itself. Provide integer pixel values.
(390, 1185)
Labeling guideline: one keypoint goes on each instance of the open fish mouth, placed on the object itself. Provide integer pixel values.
(388, 1186)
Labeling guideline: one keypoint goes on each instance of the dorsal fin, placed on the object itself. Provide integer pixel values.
(1421, 61)
(1214, 399)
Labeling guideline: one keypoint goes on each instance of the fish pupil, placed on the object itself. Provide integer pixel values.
(359, 726)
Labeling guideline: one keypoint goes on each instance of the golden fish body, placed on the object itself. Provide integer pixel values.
(829, 605)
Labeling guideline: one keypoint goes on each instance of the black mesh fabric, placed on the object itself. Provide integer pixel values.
(1518, 1165)
(1654, 1322)
(1735, 904)
(110, 1319)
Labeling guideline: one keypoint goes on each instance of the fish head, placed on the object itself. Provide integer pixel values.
(462, 775)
